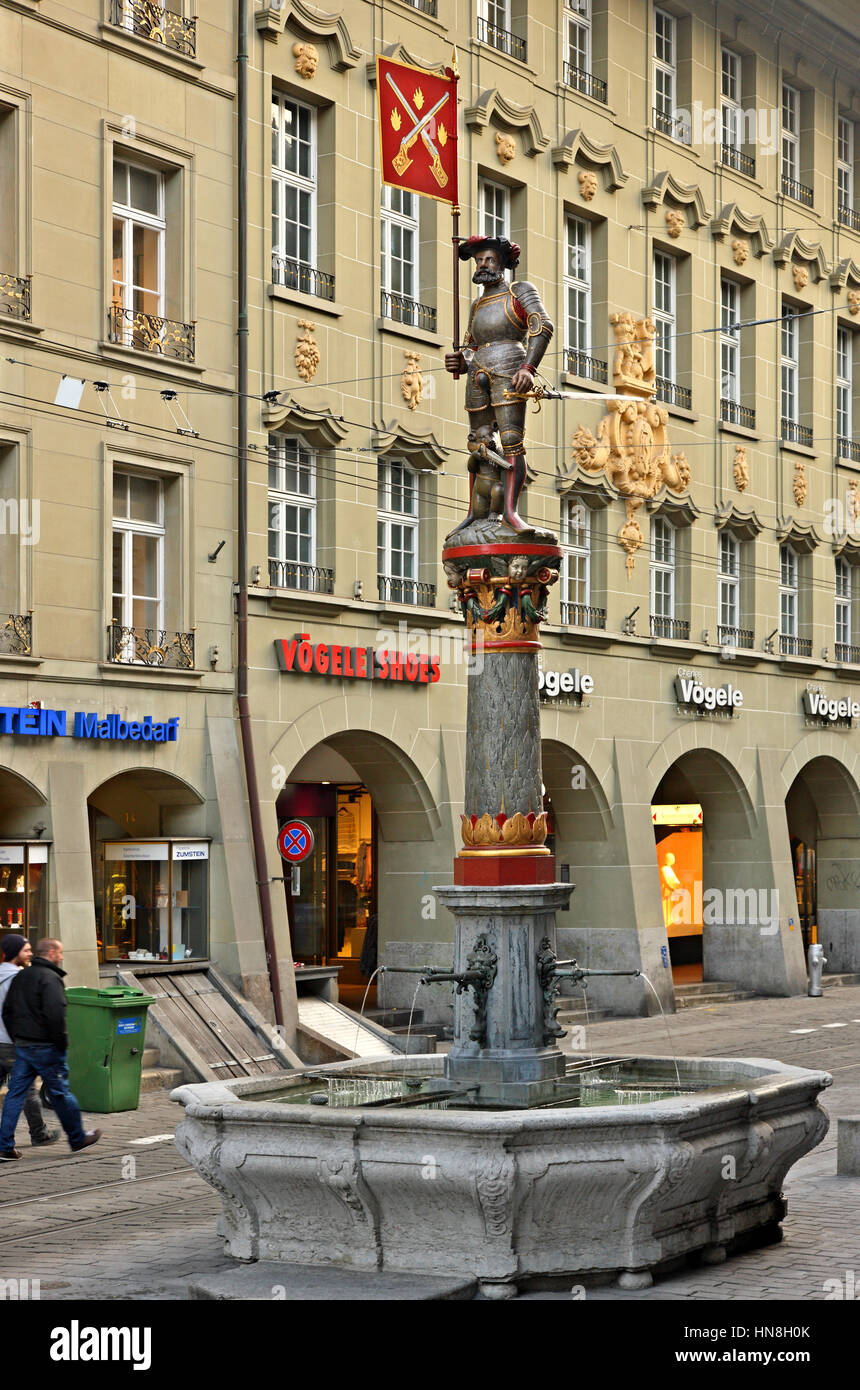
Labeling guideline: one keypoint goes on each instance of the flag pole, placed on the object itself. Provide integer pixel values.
(455, 222)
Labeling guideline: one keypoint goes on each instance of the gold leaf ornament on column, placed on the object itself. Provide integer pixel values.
(411, 381)
(308, 355)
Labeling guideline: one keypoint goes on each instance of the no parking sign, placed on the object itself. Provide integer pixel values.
(295, 841)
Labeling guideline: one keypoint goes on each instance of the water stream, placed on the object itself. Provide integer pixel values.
(409, 1029)
(665, 1021)
(363, 1003)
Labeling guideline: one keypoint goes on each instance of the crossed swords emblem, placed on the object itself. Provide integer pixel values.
(401, 160)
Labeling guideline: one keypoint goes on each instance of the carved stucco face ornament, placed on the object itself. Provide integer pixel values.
(505, 148)
(740, 250)
(587, 184)
(674, 222)
(854, 302)
(800, 274)
(307, 57)
(741, 469)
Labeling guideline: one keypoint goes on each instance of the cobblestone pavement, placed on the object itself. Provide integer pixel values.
(127, 1220)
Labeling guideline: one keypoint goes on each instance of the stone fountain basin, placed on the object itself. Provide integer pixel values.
(509, 1197)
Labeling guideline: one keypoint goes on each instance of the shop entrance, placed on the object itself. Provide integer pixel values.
(823, 813)
(332, 896)
(678, 833)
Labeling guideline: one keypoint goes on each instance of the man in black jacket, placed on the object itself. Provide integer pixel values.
(34, 1014)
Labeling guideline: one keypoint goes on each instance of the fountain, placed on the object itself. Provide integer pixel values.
(504, 1160)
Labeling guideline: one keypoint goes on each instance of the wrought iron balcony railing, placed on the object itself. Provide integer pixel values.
(734, 158)
(793, 433)
(798, 191)
(585, 82)
(676, 127)
(735, 637)
(16, 634)
(150, 333)
(848, 448)
(401, 309)
(675, 628)
(132, 646)
(15, 295)
(795, 646)
(672, 394)
(153, 22)
(733, 413)
(289, 574)
(505, 42)
(846, 653)
(579, 364)
(583, 615)
(392, 589)
(848, 217)
(295, 275)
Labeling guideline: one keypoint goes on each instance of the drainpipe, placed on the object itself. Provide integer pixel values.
(260, 862)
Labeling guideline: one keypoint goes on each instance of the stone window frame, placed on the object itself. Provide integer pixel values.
(387, 516)
(307, 502)
(285, 178)
(408, 222)
(130, 528)
(581, 284)
(16, 484)
(16, 152)
(845, 161)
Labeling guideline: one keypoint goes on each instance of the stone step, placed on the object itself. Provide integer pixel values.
(694, 987)
(151, 1057)
(707, 1001)
(160, 1079)
(834, 981)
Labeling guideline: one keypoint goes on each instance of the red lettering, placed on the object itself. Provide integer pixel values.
(411, 668)
(286, 653)
(348, 653)
(434, 669)
(305, 656)
(336, 655)
(396, 662)
(380, 662)
(361, 662)
(422, 671)
(321, 659)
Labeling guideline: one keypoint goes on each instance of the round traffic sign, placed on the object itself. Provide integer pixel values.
(295, 841)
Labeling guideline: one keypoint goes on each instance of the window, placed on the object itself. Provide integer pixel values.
(728, 586)
(844, 391)
(843, 608)
(138, 560)
(664, 315)
(292, 514)
(729, 341)
(494, 27)
(294, 195)
(665, 75)
(732, 119)
(576, 561)
(139, 229)
(788, 591)
(399, 243)
(789, 368)
(157, 23)
(397, 533)
(494, 209)
(577, 65)
(577, 293)
(790, 133)
(662, 575)
(845, 162)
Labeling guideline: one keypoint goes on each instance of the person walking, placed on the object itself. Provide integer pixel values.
(34, 1014)
(16, 954)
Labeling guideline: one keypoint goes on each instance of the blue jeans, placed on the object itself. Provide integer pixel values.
(41, 1059)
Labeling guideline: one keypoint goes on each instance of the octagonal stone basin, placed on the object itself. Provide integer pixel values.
(584, 1192)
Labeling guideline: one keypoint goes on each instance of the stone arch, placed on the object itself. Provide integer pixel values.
(725, 763)
(20, 803)
(580, 803)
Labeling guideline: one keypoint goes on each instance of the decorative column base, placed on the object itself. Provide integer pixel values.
(506, 868)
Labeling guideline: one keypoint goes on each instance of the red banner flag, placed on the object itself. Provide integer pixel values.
(418, 129)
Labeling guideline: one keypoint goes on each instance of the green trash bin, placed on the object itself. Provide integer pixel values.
(107, 1033)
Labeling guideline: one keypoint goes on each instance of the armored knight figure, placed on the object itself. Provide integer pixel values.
(509, 332)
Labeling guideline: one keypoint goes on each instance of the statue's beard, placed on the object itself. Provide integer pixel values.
(484, 276)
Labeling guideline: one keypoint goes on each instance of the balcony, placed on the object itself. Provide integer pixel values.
(289, 574)
(848, 217)
(150, 333)
(790, 432)
(798, 191)
(153, 22)
(734, 158)
(676, 629)
(15, 295)
(505, 42)
(16, 635)
(579, 364)
(848, 448)
(296, 275)
(670, 393)
(585, 82)
(795, 646)
(392, 589)
(847, 654)
(401, 309)
(131, 646)
(735, 637)
(674, 126)
(731, 413)
(582, 615)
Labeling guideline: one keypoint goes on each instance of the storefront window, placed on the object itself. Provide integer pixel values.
(156, 900)
(24, 889)
(354, 871)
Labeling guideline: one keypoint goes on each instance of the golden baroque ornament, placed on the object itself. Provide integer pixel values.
(587, 184)
(505, 148)
(307, 57)
(513, 831)
(741, 468)
(633, 370)
(800, 274)
(740, 250)
(799, 484)
(854, 302)
(630, 537)
(674, 222)
(308, 355)
(853, 502)
(411, 381)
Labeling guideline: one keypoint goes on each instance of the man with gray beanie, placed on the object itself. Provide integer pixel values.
(17, 953)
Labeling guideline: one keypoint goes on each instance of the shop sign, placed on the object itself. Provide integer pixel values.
(694, 696)
(53, 723)
(818, 707)
(301, 657)
(190, 851)
(552, 684)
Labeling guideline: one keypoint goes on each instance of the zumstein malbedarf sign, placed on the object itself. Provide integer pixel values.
(54, 723)
(822, 710)
(301, 657)
(695, 697)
